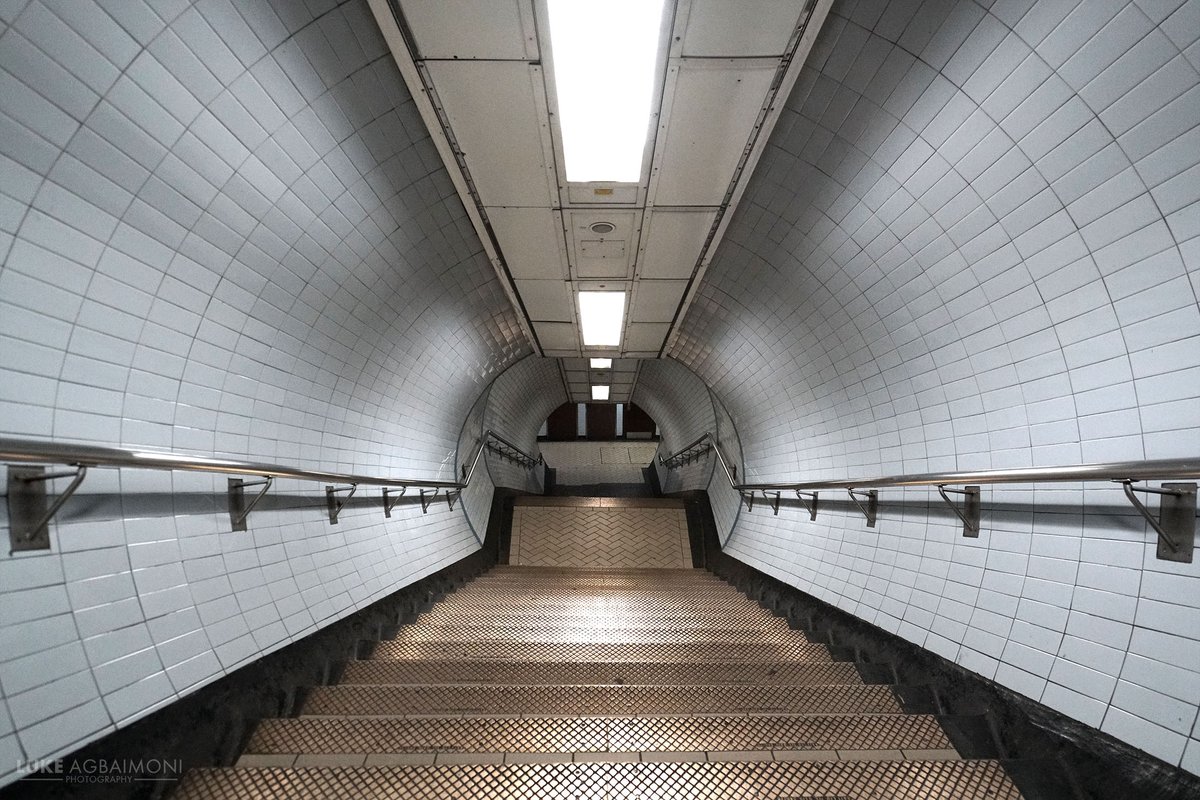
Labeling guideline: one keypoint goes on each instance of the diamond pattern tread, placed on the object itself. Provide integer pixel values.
(751, 619)
(599, 734)
(369, 701)
(608, 652)
(588, 635)
(598, 673)
(849, 780)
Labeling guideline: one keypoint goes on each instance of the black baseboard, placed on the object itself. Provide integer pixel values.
(1048, 755)
(210, 726)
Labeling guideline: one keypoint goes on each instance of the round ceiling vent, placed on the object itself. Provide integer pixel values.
(602, 227)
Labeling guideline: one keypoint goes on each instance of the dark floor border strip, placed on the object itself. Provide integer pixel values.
(1048, 755)
(210, 726)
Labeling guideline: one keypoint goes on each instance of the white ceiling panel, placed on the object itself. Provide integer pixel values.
(744, 28)
(497, 118)
(656, 301)
(546, 300)
(471, 28)
(558, 336)
(604, 242)
(672, 242)
(476, 73)
(713, 108)
(644, 337)
(531, 240)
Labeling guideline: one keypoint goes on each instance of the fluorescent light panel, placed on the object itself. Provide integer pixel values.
(604, 59)
(602, 316)
(599, 392)
(601, 363)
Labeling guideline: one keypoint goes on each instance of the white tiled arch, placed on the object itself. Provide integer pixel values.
(223, 229)
(974, 241)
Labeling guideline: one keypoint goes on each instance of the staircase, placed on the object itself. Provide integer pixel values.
(545, 682)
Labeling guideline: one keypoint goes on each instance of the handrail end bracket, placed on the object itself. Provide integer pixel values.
(1176, 523)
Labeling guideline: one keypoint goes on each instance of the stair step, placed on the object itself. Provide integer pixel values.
(597, 673)
(601, 734)
(795, 649)
(589, 635)
(597, 700)
(524, 601)
(751, 619)
(902, 780)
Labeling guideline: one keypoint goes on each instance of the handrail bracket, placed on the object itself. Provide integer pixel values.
(871, 509)
(334, 505)
(1176, 523)
(810, 505)
(427, 498)
(28, 516)
(389, 505)
(970, 512)
(238, 508)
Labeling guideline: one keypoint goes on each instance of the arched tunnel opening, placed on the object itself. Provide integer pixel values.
(300, 304)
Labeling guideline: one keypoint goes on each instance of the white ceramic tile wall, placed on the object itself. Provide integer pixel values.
(514, 405)
(974, 241)
(680, 405)
(520, 401)
(477, 496)
(684, 409)
(224, 230)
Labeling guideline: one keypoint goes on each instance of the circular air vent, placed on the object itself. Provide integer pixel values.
(602, 227)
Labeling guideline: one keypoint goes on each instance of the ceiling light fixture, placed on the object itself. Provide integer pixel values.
(605, 53)
(601, 363)
(602, 316)
(599, 392)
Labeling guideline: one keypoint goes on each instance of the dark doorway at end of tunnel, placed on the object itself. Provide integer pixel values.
(600, 450)
(598, 422)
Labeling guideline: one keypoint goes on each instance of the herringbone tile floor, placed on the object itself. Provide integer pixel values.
(600, 537)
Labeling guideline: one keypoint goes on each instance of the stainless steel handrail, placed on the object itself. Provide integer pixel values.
(1115, 471)
(34, 452)
(29, 515)
(468, 472)
(730, 472)
(1175, 523)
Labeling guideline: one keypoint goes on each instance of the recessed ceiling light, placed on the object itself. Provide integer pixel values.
(602, 315)
(599, 392)
(601, 363)
(605, 53)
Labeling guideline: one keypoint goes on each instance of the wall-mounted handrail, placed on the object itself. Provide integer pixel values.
(688, 453)
(35, 452)
(1175, 524)
(707, 440)
(26, 490)
(517, 454)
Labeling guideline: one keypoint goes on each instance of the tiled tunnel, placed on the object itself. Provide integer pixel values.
(972, 242)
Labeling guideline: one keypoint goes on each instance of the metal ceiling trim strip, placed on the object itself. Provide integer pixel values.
(400, 42)
(789, 71)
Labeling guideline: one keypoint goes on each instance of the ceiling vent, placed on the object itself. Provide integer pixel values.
(602, 228)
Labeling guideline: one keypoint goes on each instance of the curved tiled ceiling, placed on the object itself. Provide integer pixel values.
(230, 233)
(994, 229)
(974, 241)
(223, 230)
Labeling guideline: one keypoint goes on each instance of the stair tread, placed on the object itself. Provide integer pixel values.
(387, 700)
(601, 734)
(596, 673)
(902, 780)
(669, 652)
